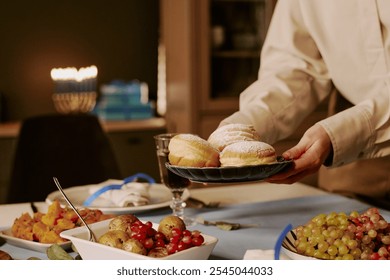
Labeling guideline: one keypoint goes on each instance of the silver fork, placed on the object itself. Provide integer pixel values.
(91, 235)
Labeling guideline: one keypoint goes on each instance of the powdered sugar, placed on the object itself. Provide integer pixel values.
(192, 137)
(231, 133)
(250, 147)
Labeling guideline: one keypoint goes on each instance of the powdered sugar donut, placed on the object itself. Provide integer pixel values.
(192, 151)
(247, 153)
(232, 133)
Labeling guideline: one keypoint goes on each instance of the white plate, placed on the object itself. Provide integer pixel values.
(30, 245)
(160, 196)
(95, 251)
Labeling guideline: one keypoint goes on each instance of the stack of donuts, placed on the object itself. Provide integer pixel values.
(229, 145)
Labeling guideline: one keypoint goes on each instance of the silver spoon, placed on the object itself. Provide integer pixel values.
(91, 236)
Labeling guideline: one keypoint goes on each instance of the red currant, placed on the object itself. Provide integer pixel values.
(176, 232)
(182, 246)
(187, 239)
(159, 243)
(151, 232)
(149, 224)
(160, 235)
(149, 243)
(174, 239)
(195, 233)
(197, 240)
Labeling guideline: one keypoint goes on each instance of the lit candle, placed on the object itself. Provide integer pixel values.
(72, 80)
(86, 77)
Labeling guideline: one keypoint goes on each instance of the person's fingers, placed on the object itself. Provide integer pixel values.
(289, 180)
(303, 166)
(293, 153)
(308, 156)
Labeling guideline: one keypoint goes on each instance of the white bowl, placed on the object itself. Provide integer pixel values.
(28, 244)
(95, 251)
(289, 249)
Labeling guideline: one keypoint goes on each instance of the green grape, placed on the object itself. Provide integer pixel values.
(343, 249)
(309, 251)
(338, 243)
(326, 233)
(348, 257)
(331, 222)
(307, 232)
(301, 247)
(356, 253)
(322, 246)
(332, 250)
(316, 231)
(372, 233)
(317, 254)
(334, 234)
(320, 238)
(386, 239)
(313, 241)
(352, 244)
(325, 256)
(354, 214)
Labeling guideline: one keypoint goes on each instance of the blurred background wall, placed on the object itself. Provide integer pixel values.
(120, 37)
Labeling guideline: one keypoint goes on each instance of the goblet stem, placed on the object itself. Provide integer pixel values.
(178, 205)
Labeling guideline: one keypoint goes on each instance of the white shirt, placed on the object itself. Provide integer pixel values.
(311, 47)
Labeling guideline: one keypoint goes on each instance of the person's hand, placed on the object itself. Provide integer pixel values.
(308, 155)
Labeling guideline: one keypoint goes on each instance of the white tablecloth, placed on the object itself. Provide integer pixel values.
(270, 206)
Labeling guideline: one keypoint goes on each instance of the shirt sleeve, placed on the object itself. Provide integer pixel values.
(292, 80)
(362, 131)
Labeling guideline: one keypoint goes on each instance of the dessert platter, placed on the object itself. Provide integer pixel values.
(230, 174)
(233, 153)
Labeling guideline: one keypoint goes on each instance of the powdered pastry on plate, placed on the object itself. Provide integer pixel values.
(192, 151)
(247, 153)
(232, 133)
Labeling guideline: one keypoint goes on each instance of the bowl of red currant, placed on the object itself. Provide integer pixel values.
(125, 237)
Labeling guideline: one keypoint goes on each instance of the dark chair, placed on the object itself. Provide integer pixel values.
(74, 148)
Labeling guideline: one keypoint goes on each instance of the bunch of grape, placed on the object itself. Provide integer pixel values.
(338, 236)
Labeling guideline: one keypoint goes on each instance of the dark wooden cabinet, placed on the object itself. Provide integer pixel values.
(136, 152)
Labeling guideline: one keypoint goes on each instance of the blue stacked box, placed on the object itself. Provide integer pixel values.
(124, 101)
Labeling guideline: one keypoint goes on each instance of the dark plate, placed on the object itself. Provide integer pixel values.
(230, 174)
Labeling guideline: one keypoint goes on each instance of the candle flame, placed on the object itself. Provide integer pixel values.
(71, 73)
(86, 73)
